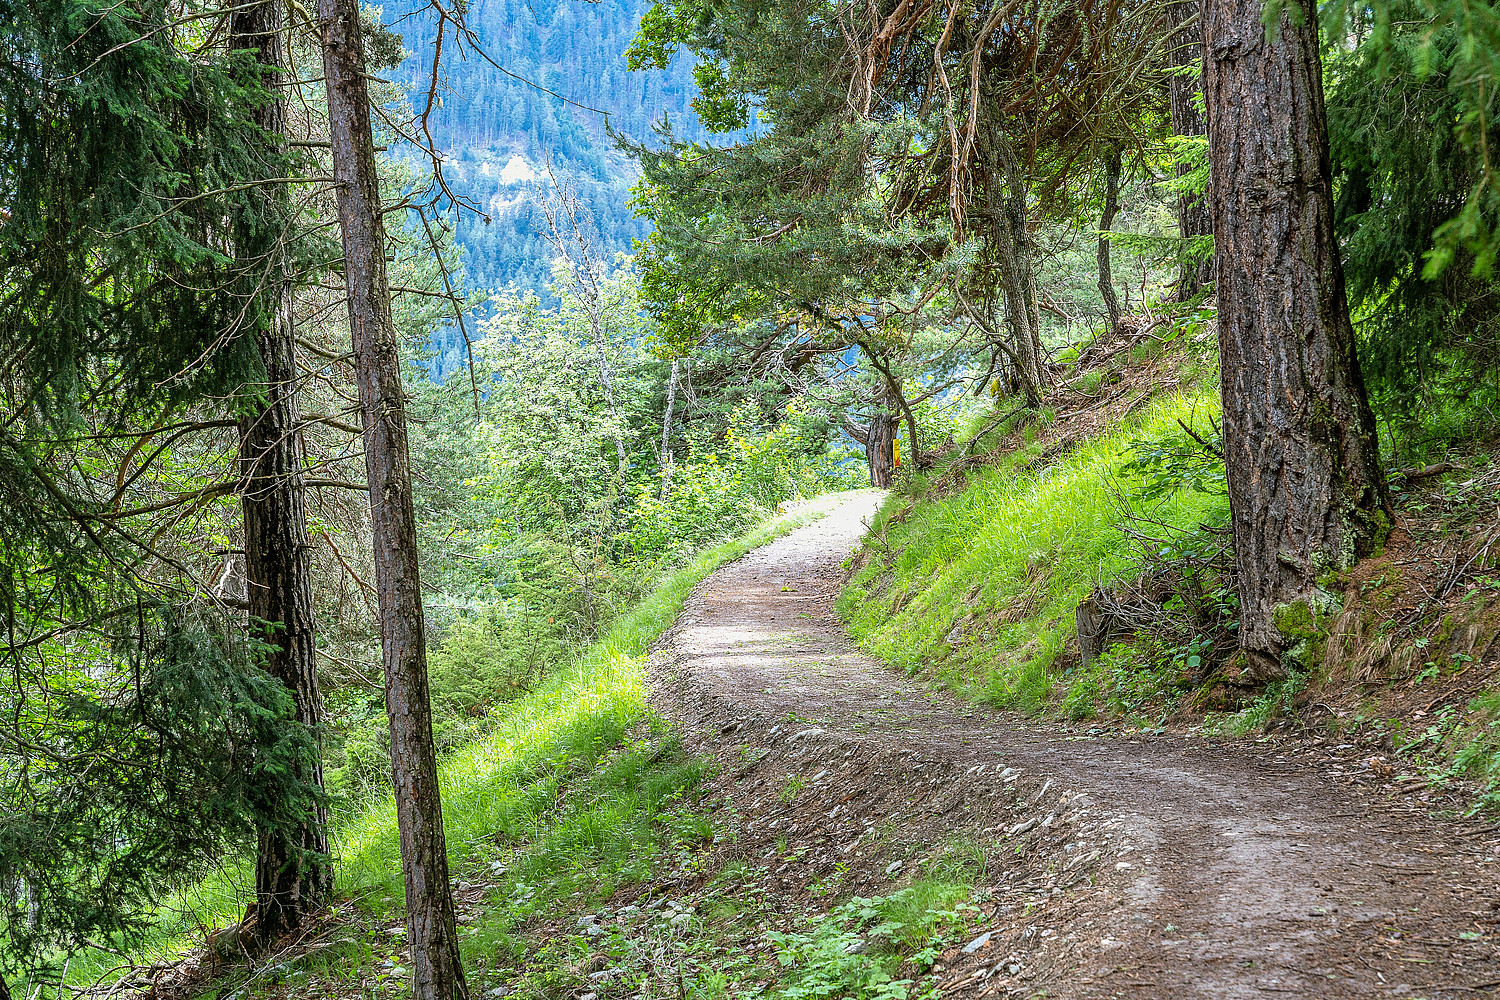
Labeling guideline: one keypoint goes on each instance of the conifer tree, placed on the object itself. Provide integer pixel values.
(437, 973)
(140, 740)
(293, 876)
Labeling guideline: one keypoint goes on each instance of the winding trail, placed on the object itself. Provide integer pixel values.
(1154, 867)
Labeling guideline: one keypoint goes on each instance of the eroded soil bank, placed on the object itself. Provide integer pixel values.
(1143, 867)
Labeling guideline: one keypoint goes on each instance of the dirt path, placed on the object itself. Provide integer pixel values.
(1165, 867)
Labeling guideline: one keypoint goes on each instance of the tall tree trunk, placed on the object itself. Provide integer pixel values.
(1010, 248)
(1107, 219)
(1305, 486)
(293, 876)
(431, 930)
(1009, 245)
(1192, 209)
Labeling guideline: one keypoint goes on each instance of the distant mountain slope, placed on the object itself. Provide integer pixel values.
(498, 131)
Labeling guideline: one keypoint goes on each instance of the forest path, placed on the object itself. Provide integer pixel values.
(1153, 867)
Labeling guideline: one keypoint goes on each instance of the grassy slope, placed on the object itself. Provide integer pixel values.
(578, 792)
(1002, 562)
(977, 586)
(498, 789)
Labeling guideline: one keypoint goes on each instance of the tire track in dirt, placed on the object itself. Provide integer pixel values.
(1165, 867)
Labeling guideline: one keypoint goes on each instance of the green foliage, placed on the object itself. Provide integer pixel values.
(979, 586)
(858, 949)
(1454, 47)
(1127, 679)
(535, 497)
(124, 156)
(1177, 461)
(129, 775)
(708, 496)
(1406, 128)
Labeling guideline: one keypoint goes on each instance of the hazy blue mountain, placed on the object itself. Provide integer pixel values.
(498, 132)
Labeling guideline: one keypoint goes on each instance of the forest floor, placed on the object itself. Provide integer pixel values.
(1177, 865)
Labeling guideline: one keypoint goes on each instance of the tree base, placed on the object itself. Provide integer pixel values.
(1254, 667)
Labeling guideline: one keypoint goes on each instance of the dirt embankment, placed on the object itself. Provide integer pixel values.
(1150, 867)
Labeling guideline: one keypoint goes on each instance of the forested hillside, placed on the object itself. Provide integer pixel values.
(1128, 369)
(498, 131)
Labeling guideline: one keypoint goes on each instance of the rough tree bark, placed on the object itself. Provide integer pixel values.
(1107, 219)
(1192, 209)
(431, 930)
(880, 448)
(1306, 491)
(293, 876)
(878, 439)
(1010, 250)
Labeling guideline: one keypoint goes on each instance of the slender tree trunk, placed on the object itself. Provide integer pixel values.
(880, 448)
(1192, 209)
(1106, 220)
(666, 432)
(1305, 485)
(293, 876)
(431, 930)
(1010, 248)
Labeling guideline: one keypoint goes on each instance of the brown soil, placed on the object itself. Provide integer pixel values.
(1169, 867)
(1422, 629)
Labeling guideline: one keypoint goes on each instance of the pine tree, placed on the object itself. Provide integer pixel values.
(293, 874)
(437, 973)
(142, 740)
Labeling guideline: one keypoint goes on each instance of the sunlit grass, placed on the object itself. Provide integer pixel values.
(1007, 558)
(503, 786)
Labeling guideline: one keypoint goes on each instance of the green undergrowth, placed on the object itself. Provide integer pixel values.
(1458, 742)
(979, 586)
(581, 820)
(577, 772)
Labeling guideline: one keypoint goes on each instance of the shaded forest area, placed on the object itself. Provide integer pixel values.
(1171, 327)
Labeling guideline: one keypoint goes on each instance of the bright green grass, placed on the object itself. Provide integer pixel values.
(502, 787)
(1008, 558)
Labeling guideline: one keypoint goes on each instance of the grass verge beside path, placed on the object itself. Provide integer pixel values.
(498, 790)
(980, 587)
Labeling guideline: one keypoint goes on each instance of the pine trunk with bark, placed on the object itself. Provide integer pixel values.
(880, 449)
(437, 973)
(293, 875)
(1106, 220)
(1306, 490)
(1192, 209)
(1010, 251)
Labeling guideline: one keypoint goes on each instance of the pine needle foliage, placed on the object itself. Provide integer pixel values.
(125, 155)
(128, 772)
(1407, 144)
(139, 738)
